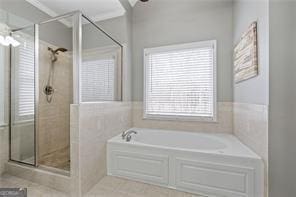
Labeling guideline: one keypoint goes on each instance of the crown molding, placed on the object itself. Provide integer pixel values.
(109, 15)
(96, 18)
(133, 2)
(48, 11)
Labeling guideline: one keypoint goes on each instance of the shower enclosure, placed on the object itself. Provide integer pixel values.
(66, 60)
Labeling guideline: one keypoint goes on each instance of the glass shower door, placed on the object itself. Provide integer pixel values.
(23, 97)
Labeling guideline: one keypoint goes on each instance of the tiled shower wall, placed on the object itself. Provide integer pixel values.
(92, 124)
(54, 117)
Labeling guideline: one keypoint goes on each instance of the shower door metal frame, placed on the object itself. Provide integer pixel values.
(77, 60)
(77, 53)
(36, 114)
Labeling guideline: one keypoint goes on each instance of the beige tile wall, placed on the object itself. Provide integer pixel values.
(250, 125)
(74, 151)
(4, 129)
(3, 148)
(92, 124)
(54, 117)
(22, 141)
(223, 124)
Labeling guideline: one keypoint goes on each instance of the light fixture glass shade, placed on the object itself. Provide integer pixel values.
(12, 41)
(3, 41)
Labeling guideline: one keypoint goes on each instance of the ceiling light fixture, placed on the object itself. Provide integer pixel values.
(12, 41)
(5, 39)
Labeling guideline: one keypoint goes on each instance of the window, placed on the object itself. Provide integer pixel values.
(180, 82)
(24, 84)
(99, 74)
(98, 80)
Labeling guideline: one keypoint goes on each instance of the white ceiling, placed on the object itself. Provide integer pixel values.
(97, 10)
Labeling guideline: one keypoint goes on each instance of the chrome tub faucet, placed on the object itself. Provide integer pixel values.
(128, 135)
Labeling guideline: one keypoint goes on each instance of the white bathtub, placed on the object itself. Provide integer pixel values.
(208, 164)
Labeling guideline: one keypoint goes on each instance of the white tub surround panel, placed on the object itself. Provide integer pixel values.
(96, 123)
(251, 127)
(208, 164)
(223, 123)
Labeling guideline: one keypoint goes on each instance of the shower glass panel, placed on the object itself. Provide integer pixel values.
(65, 60)
(55, 93)
(22, 115)
(101, 65)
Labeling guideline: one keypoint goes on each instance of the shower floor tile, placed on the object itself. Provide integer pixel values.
(117, 187)
(59, 159)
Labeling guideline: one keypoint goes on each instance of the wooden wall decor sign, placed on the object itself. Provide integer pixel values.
(246, 55)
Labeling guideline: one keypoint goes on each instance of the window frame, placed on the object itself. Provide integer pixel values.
(103, 53)
(177, 47)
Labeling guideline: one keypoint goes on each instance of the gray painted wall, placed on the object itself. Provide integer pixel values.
(120, 28)
(93, 38)
(254, 90)
(166, 22)
(58, 34)
(55, 33)
(282, 119)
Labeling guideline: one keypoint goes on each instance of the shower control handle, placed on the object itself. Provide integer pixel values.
(48, 90)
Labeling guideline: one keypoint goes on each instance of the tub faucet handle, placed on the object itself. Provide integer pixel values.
(125, 133)
(129, 135)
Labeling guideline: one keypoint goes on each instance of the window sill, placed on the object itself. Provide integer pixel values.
(180, 118)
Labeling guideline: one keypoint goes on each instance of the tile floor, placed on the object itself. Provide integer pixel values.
(34, 189)
(115, 187)
(107, 187)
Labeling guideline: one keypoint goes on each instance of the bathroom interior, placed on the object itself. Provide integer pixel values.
(148, 98)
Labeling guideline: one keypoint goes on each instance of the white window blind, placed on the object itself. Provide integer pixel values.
(98, 80)
(25, 94)
(180, 81)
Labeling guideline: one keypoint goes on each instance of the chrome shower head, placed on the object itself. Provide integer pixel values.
(56, 52)
(60, 49)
